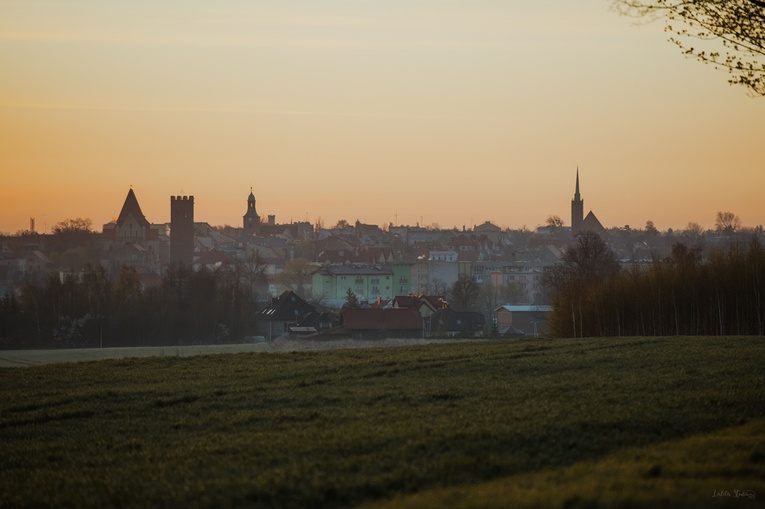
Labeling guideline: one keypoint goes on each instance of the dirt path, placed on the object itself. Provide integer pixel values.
(22, 358)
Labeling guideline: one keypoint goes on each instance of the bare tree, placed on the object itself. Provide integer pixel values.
(554, 222)
(727, 222)
(294, 275)
(464, 293)
(650, 228)
(694, 229)
(735, 27)
(590, 259)
(79, 225)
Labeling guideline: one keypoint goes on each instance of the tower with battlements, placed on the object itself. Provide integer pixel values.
(182, 230)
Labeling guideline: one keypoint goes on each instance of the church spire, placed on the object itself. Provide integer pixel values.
(576, 193)
(251, 218)
(577, 207)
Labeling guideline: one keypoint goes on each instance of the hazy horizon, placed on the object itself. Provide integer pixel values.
(409, 112)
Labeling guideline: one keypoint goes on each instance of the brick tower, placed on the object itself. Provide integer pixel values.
(182, 230)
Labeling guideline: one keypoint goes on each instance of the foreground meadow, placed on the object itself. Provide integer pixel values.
(546, 423)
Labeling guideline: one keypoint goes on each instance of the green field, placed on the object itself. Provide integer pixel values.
(633, 422)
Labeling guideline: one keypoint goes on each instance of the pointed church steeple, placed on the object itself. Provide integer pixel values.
(577, 207)
(131, 208)
(576, 193)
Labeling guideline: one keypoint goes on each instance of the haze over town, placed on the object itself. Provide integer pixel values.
(426, 112)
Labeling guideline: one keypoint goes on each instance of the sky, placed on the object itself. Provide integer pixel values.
(408, 112)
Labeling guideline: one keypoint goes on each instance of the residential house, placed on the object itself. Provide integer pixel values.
(281, 313)
(314, 323)
(381, 323)
(436, 274)
(426, 305)
(452, 323)
(529, 320)
(491, 231)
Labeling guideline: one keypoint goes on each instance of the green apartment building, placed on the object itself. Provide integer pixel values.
(368, 282)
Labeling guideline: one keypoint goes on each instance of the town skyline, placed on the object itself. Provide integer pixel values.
(410, 113)
(565, 216)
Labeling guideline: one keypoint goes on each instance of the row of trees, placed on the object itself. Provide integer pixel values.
(682, 295)
(95, 310)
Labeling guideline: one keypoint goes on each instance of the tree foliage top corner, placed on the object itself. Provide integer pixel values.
(728, 34)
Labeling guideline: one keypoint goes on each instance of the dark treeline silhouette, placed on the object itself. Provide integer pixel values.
(682, 295)
(89, 310)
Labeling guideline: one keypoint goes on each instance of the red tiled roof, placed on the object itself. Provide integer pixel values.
(406, 301)
(382, 319)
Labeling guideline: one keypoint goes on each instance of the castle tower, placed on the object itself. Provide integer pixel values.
(182, 230)
(251, 220)
(577, 208)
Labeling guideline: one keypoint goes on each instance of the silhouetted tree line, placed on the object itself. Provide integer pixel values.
(91, 309)
(682, 295)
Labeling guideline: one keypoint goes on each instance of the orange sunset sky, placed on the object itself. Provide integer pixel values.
(436, 111)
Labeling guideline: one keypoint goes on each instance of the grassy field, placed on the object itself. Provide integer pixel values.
(546, 423)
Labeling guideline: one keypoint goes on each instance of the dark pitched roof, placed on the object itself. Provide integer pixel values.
(286, 307)
(213, 257)
(131, 208)
(457, 321)
(338, 256)
(416, 301)
(316, 319)
(406, 301)
(487, 226)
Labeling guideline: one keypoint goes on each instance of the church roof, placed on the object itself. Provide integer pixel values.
(592, 223)
(131, 208)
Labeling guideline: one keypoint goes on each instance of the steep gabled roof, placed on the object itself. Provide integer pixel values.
(592, 223)
(287, 307)
(131, 208)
